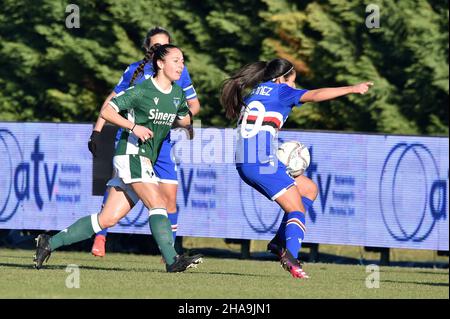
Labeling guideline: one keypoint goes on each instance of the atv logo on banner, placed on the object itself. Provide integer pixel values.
(11, 154)
(39, 172)
(414, 168)
(23, 175)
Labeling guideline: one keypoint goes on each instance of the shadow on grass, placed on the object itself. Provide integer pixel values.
(328, 259)
(435, 284)
(18, 257)
(438, 271)
(63, 267)
(198, 272)
(57, 267)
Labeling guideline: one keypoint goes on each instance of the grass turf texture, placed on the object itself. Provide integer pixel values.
(143, 276)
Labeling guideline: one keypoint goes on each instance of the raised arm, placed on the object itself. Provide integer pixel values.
(326, 94)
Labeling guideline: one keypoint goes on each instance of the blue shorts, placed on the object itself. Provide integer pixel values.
(165, 167)
(267, 179)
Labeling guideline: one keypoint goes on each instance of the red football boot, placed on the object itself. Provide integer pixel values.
(98, 249)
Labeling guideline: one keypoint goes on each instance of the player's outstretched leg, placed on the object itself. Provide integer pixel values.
(82, 229)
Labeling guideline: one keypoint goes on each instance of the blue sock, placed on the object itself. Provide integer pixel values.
(173, 218)
(307, 203)
(295, 232)
(105, 230)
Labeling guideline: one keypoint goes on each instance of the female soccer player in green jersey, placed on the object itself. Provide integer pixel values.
(165, 167)
(147, 112)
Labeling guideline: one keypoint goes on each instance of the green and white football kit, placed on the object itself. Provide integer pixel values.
(148, 105)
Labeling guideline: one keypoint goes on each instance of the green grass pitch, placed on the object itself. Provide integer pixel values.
(143, 276)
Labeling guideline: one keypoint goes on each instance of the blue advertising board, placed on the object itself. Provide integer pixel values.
(374, 190)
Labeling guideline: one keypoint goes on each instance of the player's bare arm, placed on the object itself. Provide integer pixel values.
(326, 94)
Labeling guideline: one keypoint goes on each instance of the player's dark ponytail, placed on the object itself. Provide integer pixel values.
(140, 69)
(233, 88)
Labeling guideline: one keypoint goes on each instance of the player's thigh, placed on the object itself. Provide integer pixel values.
(169, 192)
(117, 205)
(150, 194)
(291, 200)
(306, 187)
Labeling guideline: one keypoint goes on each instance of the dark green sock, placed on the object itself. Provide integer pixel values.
(162, 232)
(82, 229)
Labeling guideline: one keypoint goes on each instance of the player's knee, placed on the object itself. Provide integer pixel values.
(108, 221)
(309, 189)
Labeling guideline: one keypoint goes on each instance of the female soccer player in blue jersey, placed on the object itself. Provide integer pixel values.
(261, 113)
(136, 153)
(165, 167)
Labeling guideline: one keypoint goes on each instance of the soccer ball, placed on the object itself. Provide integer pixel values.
(295, 156)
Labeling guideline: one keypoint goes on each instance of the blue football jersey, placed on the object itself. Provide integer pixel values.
(267, 109)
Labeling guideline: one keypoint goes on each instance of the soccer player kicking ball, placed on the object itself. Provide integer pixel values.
(147, 112)
(260, 116)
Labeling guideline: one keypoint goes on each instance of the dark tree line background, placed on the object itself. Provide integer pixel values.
(51, 73)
